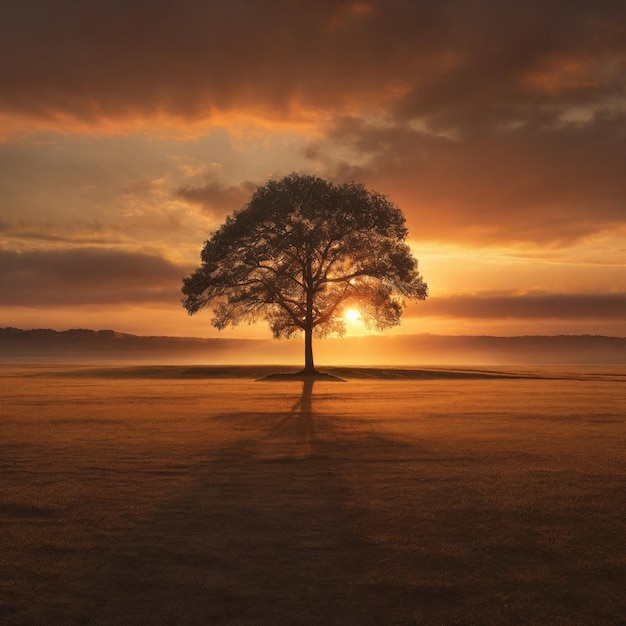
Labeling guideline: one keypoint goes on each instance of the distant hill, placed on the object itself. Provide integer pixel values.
(81, 342)
(90, 345)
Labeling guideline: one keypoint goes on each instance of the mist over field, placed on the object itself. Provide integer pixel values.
(203, 495)
(374, 349)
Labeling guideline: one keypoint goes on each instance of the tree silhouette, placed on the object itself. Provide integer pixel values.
(300, 251)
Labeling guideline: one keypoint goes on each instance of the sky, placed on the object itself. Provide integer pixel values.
(129, 129)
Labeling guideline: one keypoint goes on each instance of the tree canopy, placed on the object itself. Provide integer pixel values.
(301, 251)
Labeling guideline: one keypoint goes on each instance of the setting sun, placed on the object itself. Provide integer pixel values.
(352, 315)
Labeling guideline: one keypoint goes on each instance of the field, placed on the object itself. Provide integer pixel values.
(180, 495)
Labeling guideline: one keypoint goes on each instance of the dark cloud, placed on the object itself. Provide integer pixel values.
(43, 231)
(215, 196)
(509, 62)
(185, 59)
(87, 276)
(449, 62)
(530, 184)
(597, 306)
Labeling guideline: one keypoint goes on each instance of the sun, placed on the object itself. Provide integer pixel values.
(352, 315)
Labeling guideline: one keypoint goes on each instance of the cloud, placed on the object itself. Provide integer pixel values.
(575, 306)
(540, 184)
(215, 196)
(42, 278)
(450, 63)
(511, 62)
(25, 233)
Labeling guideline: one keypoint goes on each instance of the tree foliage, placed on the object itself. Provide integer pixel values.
(301, 251)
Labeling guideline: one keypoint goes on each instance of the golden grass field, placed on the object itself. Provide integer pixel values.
(179, 495)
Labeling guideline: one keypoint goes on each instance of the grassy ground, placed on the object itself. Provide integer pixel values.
(128, 497)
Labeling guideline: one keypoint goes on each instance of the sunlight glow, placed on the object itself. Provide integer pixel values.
(352, 315)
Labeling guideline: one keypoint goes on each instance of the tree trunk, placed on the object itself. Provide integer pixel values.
(309, 367)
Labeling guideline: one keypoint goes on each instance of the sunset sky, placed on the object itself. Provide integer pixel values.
(130, 128)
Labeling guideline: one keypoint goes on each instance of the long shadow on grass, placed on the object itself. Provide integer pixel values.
(267, 533)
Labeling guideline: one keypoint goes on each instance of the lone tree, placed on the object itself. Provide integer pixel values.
(301, 251)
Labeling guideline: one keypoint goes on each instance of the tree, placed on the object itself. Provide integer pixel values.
(300, 251)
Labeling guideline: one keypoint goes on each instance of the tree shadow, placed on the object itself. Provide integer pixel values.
(266, 517)
(298, 425)
(265, 533)
(305, 403)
